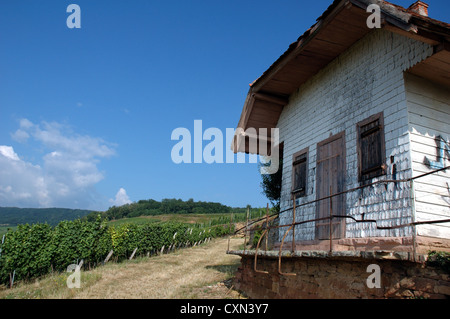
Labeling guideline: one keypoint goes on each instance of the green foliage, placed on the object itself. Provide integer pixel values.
(271, 184)
(35, 250)
(76, 240)
(440, 260)
(26, 251)
(166, 206)
(256, 237)
(5, 229)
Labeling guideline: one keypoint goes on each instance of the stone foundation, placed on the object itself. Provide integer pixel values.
(342, 276)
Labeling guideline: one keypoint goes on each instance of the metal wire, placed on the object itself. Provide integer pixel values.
(292, 225)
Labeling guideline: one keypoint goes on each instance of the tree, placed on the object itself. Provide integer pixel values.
(271, 184)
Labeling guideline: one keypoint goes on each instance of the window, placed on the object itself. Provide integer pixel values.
(371, 148)
(299, 173)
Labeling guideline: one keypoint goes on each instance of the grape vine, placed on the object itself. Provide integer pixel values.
(36, 250)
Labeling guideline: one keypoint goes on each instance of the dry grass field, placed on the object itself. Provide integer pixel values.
(200, 272)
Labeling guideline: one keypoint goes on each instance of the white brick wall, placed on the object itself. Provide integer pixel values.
(364, 80)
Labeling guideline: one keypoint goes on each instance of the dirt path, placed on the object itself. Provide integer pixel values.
(198, 272)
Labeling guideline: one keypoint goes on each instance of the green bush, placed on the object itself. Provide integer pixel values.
(256, 237)
(26, 251)
(440, 260)
(76, 240)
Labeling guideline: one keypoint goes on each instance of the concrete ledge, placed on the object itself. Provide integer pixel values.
(349, 254)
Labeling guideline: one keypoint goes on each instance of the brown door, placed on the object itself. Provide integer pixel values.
(330, 180)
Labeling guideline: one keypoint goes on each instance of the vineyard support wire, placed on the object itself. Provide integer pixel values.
(344, 192)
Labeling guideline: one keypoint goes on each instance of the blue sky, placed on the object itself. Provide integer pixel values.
(86, 115)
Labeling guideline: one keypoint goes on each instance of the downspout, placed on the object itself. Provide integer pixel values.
(412, 199)
(412, 196)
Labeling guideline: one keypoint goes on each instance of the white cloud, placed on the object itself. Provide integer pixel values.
(25, 124)
(121, 198)
(20, 136)
(21, 183)
(8, 152)
(67, 174)
(61, 138)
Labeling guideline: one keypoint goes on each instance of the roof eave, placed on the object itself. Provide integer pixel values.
(394, 18)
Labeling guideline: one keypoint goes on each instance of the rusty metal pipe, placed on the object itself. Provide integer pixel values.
(293, 229)
(256, 255)
(279, 255)
(331, 223)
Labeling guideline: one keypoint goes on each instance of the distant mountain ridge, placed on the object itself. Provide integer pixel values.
(13, 216)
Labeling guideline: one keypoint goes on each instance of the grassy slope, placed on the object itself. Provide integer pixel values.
(199, 272)
(183, 218)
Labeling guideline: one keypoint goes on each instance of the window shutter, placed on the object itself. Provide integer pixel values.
(371, 148)
(299, 167)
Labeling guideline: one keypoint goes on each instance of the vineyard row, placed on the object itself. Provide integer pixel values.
(35, 250)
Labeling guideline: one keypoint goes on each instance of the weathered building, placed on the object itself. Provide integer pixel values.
(363, 115)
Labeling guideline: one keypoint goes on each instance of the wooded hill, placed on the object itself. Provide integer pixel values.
(152, 207)
(13, 216)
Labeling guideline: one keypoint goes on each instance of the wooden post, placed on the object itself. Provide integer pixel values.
(229, 234)
(267, 224)
(11, 280)
(245, 232)
(108, 257)
(132, 255)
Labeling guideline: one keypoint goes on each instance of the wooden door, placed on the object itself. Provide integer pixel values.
(330, 180)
